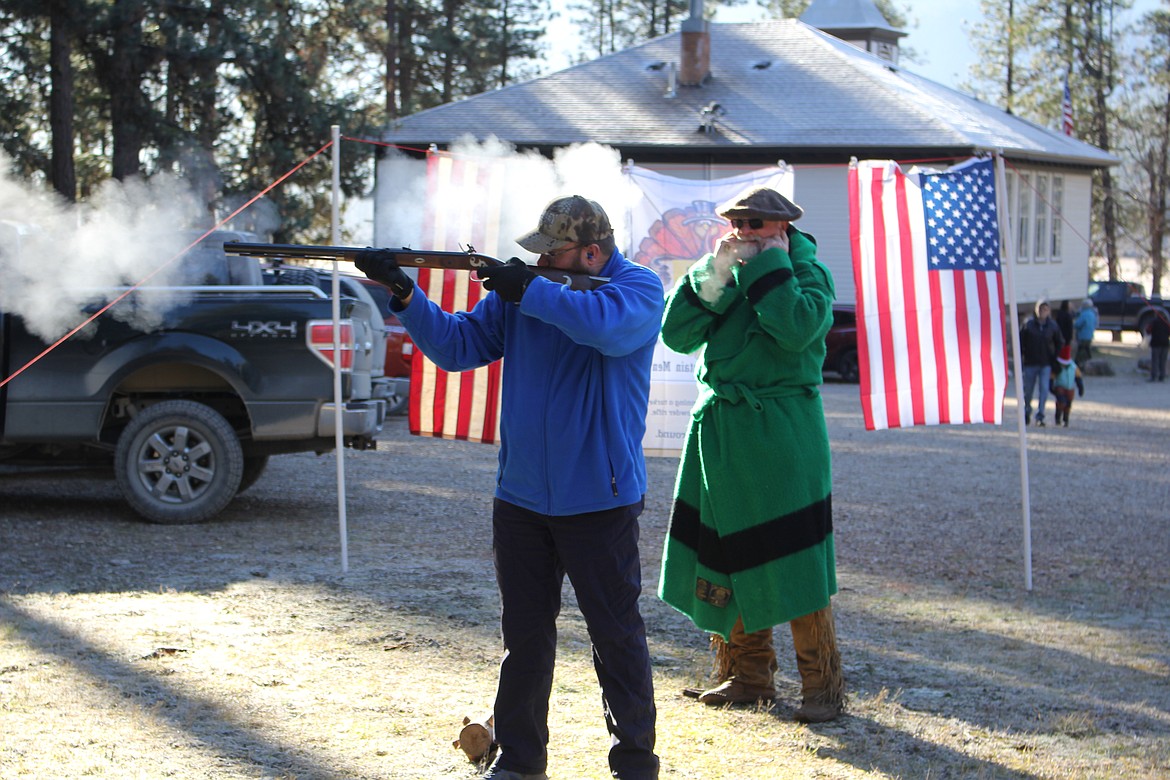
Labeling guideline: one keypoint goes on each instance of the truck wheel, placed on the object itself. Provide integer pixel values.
(253, 467)
(178, 462)
(847, 367)
(396, 403)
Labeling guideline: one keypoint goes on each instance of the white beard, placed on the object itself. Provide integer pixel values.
(727, 255)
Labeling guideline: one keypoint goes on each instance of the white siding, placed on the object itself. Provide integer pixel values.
(823, 193)
(1061, 277)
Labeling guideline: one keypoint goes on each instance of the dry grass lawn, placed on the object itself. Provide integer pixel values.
(239, 649)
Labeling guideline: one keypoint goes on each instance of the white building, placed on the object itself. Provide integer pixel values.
(715, 100)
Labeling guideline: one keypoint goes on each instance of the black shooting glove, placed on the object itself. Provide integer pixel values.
(509, 281)
(381, 266)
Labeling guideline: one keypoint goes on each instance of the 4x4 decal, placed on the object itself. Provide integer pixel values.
(258, 329)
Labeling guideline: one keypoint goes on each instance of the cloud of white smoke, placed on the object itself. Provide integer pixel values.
(404, 206)
(59, 261)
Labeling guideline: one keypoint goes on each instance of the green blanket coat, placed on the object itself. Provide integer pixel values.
(751, 529)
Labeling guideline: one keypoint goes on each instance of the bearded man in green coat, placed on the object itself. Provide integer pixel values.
(750, 544)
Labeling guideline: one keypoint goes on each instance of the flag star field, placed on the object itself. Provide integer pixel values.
(962, 232)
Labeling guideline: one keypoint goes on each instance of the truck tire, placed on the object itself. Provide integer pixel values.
(178, 462)
(396, 403)
(847, 367)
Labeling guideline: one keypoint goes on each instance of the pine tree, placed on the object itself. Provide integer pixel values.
(1145, 134)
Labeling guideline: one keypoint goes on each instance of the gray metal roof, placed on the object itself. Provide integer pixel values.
(785, 89)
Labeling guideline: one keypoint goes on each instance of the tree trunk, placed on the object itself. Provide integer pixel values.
(62, 173)
(406, 59)
(1158, 212)
(451, 38)
(391, 52)
(126, 111)
(1102, 75)
(505, 32)
(1007, 90)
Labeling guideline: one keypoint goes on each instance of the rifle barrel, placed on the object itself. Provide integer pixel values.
(408, 258)
(344, 253)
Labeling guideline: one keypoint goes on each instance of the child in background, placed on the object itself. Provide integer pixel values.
(1063, 382)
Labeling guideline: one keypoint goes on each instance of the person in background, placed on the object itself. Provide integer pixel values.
(750, 542)
(1040, 343)
(1085, 325)
(1158, 330)
(1064, 382)
(572, 479)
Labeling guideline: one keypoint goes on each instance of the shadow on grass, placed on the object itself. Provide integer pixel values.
(284, 529)
(867, 748)
(218, 730)
(1003, 683)
(966, 684)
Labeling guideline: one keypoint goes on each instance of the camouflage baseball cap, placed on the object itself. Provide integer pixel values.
(565, 222)
(761, 203)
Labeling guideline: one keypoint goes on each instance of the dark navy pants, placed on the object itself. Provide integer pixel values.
(599, 553)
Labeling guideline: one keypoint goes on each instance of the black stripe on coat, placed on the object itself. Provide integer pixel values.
(766, 283)
(752, 547)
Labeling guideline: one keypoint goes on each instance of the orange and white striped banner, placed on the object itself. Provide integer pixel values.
(464, 199)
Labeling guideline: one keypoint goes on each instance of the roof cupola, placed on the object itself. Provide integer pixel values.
(858, 22)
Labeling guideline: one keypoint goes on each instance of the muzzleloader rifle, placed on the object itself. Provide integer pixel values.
(410, 258)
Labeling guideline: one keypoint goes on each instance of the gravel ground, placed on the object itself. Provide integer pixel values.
(240, 648)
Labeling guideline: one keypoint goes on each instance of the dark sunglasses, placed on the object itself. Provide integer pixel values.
(754, 224)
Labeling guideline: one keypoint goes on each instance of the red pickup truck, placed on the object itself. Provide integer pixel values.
(841, 343)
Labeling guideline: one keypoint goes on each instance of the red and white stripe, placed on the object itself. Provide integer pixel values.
(464, 198)
(931, 344)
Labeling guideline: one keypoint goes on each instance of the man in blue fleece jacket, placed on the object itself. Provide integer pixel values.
(572, 478)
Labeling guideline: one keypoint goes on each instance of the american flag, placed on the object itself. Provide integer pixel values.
(1066, 115)
(464, 197)
(930, 308)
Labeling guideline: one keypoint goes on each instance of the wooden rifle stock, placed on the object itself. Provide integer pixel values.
(410, 258)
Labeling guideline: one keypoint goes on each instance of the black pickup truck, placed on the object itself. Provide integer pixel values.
(188, 412)
(1124, 305)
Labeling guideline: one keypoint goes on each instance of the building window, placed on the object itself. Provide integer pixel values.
(1024, 219)
(885, 51)
(1057, 218)
(1035, 202)
(1040, 253)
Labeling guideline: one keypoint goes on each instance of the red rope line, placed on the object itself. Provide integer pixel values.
(372, 142)
(156, 271)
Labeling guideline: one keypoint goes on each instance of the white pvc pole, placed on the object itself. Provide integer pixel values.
(1009, 266)
(338, 433)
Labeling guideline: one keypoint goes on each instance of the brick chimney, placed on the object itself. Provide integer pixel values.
(696, 48)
